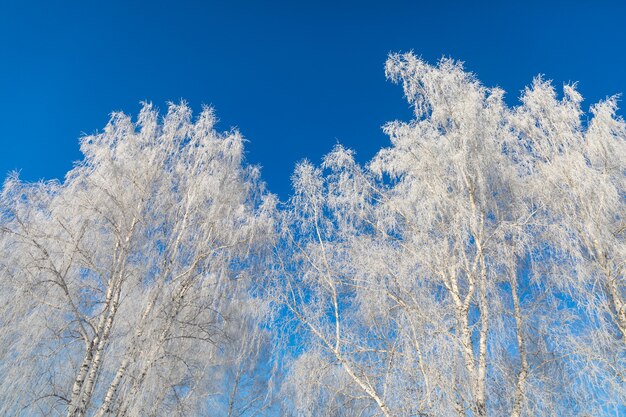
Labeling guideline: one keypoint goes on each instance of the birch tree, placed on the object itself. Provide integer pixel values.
(578, 169)
(121, 284)
(439, 279)
(316, 287)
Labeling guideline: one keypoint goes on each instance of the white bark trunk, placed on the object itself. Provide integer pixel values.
(520, 389)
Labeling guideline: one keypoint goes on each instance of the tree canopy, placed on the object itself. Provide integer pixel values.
(474, 267)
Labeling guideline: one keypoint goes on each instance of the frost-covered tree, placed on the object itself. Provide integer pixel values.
(475, 267)
(577, 177)
(472, 268)
(127, 289)
(336, 374)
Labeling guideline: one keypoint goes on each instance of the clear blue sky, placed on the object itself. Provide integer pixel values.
(295, 77)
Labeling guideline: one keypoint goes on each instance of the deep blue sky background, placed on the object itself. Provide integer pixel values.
(295, 77)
